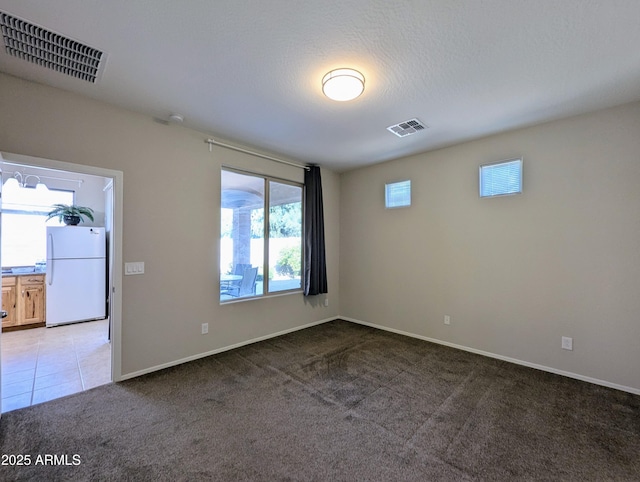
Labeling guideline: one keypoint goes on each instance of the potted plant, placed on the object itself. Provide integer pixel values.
(70, 214)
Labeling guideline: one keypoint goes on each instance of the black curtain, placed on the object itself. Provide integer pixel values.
(315, 266)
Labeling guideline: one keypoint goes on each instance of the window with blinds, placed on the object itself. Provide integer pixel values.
(24, 223)
(501, 178)
(397, 194)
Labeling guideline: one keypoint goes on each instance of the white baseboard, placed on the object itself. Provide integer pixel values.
(577, 376)
(556, 371)
(220, 350)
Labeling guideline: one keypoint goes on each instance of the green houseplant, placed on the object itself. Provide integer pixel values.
(70, 214)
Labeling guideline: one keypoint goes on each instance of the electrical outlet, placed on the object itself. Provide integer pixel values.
(326, 302)
(205, 328)
(447, 320)
(567, 343)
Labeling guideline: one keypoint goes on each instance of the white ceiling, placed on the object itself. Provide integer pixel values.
(249, 71)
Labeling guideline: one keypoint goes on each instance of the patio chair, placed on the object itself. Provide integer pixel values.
(227, 286)
(247, 284)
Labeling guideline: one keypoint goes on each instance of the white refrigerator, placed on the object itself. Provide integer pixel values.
(76, 274)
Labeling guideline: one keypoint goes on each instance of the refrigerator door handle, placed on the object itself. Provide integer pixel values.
(50, 262)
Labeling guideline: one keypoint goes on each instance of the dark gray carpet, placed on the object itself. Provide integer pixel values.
(334, 402)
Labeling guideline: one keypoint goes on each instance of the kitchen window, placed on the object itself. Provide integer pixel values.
(24, 232)
(261, 235)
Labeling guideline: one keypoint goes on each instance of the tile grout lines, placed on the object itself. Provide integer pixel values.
(87, 366)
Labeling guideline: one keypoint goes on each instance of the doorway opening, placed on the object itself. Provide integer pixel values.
(49, 349)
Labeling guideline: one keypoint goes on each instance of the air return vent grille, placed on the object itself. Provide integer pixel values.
(48, 49)
(407, 128)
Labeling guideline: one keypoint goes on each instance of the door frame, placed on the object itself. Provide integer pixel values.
(116, 237)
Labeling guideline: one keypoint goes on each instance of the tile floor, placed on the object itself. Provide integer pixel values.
(46, 363)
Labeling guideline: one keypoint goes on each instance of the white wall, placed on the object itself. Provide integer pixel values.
(514, 273)
(171, 221)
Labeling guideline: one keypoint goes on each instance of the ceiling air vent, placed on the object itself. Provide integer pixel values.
(48, 49)
(407, 128)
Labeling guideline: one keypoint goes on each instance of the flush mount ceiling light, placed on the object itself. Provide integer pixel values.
(343, 84)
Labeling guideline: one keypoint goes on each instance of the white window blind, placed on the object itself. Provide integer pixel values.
(24, 232)
(501, 178)
(397, 194)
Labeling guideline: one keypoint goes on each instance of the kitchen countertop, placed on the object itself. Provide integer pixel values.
(5, 274)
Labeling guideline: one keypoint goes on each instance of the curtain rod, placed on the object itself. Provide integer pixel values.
(239, 149)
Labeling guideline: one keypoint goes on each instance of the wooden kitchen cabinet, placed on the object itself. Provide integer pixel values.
(31, 301)
(25, 300)
(9, 300)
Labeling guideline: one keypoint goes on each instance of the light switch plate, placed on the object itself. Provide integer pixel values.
(134, 268)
